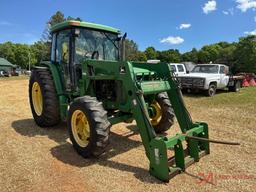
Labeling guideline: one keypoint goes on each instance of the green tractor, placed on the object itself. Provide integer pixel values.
(89, 85)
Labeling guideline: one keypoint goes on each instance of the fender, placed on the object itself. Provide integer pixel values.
(63, 102)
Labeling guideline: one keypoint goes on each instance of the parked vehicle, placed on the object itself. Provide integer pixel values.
(210, 77)
(28, 72)
(4, 74)
(88, 85)
(179, 69)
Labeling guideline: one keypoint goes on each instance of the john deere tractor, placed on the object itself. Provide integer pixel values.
(89, 85)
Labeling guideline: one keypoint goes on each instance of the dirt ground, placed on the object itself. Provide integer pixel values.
(37, 159)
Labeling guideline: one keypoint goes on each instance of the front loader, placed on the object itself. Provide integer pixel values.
(89, 84)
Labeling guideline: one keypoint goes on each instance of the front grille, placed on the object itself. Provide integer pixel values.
(192, 82)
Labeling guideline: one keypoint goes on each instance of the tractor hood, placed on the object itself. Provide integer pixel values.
(142, 71)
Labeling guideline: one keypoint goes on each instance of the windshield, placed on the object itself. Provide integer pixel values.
(205, 69)
(96, 45)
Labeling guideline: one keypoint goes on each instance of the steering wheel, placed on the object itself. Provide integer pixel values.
(95, 55)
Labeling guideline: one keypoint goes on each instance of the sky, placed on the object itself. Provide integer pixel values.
(163, 24)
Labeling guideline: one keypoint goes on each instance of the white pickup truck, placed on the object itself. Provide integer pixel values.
(210, 77)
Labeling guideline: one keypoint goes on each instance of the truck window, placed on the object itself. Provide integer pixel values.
(173, 68)
(180, 68)
(222, 70)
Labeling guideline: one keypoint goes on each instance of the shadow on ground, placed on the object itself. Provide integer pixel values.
(65, 153)
(28, 127)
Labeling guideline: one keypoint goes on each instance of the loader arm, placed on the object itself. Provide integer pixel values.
(135, 107)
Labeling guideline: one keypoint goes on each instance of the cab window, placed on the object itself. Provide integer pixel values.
(62, 55)
(222, 70)
(180, 68)
(173, 68)
(62, 50)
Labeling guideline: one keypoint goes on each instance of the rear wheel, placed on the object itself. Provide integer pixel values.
(88, 126)
(43, 98)
(236, 87)
(163, 114)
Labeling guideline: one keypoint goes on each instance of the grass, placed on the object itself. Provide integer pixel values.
(245, 98)
(42, 159)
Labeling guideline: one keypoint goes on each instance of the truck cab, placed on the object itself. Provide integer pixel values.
(179, 69)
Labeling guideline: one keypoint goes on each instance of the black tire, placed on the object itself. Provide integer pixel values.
(167, 118)
(98, 124)
(212, 90)
(236, 87)
(50, 114)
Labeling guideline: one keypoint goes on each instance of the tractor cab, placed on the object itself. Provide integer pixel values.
(74, 42)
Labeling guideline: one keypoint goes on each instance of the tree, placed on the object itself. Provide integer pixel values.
(55, 19)
(150, 53)
(245, 55)
(169, 56)
(227, 55)
(204, 56)
(7, 51)
(131, 49)
(41, 51)
(213, 52)
(191, 56)
(24, 56)
(138, 56)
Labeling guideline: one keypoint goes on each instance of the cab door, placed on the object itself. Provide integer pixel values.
(63, 55)
(224, 78)
(181, 70)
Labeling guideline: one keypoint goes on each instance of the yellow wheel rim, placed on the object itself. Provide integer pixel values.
(158, 113)
(80, 128)
(37, 98)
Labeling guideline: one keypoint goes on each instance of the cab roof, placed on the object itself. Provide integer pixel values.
(75, 23)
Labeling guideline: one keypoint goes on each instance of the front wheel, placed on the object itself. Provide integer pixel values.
(212, 90)
(88, 126)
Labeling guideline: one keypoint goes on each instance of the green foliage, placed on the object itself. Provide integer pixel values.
(18, 54)
(56, 18)
(7, 51)
(41, 51)
(245, 54)
(138, 56)
(132, 53)
(191, 56)
(169, 56)
(150, 53)
(131, 49)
